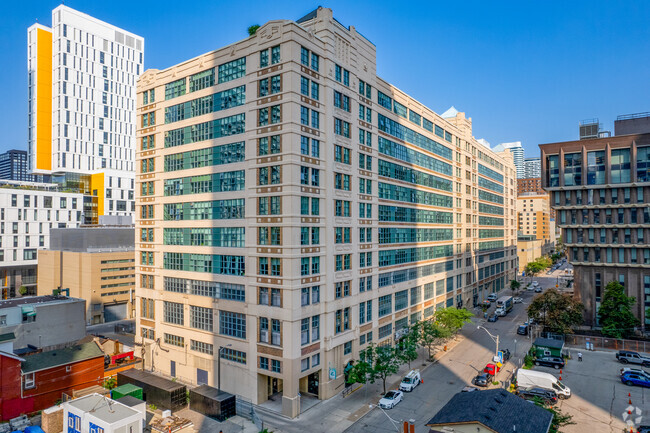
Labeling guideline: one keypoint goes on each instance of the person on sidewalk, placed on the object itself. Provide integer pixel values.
(580, 356)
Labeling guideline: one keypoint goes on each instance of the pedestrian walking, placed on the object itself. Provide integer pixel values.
(580, 356)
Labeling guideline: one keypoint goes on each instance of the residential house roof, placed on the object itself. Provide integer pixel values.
(496, 409)
(68, 355)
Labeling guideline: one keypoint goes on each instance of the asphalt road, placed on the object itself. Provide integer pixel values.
(455, 370)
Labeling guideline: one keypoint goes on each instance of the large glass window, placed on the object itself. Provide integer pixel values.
(643, 164)
(596, 167)
(572, 169)
(620, 165)
(232, 70)
(553, 170)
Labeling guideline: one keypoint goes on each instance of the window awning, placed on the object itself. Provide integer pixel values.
(28, 310)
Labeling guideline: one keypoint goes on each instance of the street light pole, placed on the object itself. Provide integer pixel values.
(494, 338)
(219, 366)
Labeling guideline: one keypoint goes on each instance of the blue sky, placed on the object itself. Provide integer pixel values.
(524, 71)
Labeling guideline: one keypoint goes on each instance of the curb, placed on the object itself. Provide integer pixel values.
(436, 357)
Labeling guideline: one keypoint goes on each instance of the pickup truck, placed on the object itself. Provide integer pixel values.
(629, 357)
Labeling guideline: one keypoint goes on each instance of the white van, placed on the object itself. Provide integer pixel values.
(492, 297)
(532, 378)
(410, 381)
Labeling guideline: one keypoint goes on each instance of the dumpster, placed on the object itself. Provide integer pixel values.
(211, 402)
(156, 390)
(127, 389)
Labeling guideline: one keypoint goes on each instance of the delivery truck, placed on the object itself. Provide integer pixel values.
(532, 378)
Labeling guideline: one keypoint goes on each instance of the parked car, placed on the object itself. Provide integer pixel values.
(635, 371)
(506, 354)
(483, 379)
(629, 357)
(535, 284)
(410, 381)
(469, 389)
(550, 361)
(522, 330)
(493, 318)
(486, 303)
(517, 300)
(538, 289)
(492, 297)
(635, 379)
(546, 395)
(643, 429)
(391, 398)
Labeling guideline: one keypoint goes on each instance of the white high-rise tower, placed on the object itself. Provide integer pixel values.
(82, 79)
(517, 153)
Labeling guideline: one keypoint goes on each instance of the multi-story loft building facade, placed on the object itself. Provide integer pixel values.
(600, 189)
(82, 75)
(94, 263)
(13, 166)
(536, 233)
(533, 185)
(293, 208)
(27, 212)
(534, 215)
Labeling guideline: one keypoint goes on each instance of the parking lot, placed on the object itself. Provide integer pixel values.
(598, 398)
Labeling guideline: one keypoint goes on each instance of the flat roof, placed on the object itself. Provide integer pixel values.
(548, 342)
(103, 408)
(34, 300)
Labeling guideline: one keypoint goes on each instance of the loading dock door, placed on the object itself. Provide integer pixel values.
(114, 312)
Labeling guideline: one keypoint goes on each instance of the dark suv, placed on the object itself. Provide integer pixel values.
(546, 395)
(550, 361)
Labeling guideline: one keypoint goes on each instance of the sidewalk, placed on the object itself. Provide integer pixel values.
(339, 413)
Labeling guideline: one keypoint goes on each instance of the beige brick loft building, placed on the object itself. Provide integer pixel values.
(536, 236)
(94, 263)
(293, 207)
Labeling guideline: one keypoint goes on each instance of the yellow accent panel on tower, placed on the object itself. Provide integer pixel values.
(97, 184)
(44, 100)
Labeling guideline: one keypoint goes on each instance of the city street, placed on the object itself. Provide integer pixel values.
(456, 370)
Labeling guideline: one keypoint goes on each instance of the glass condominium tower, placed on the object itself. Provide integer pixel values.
(293, 208)
(82, 75)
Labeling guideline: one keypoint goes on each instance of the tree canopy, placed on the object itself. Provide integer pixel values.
(616, 317)
(376, 363)
(252, 29)
(452, 319)
(557, 312)
(538, 265)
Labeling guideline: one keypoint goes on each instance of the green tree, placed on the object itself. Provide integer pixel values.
(615, 312)
(22, 290)
(428, 333)
(253, 29)
(110, 383)
(408, 348)
(559, 419)
(376, 363)
(514, 285)
(557, 312)
(452, 319)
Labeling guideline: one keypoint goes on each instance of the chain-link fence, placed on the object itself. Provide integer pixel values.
(607, 343)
